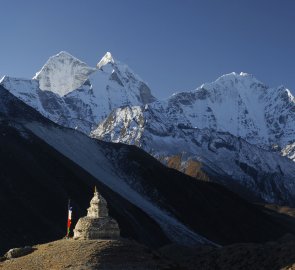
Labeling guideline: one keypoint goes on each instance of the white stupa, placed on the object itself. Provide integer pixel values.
(97, 224)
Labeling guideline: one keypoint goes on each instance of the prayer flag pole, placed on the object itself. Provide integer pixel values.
(69, 218)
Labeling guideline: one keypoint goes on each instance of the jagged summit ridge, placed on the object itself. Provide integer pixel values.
(239, 81)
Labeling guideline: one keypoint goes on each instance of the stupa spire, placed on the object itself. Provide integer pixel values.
(98, 206)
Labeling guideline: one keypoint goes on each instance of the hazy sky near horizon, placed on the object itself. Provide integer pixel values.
(174, 45)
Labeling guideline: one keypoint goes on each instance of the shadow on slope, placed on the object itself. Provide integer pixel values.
(208, 208)
(36, 182)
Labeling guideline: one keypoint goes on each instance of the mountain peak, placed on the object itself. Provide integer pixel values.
(64, 53)
(243, 78)
(3, 79)
(245, 74)
(63, 73)
(237, 75)
(107, 58)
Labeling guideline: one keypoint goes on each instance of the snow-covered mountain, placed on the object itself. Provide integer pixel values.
(236, 128)
(72, 94)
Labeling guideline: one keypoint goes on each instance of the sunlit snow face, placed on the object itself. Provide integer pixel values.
(63, 73)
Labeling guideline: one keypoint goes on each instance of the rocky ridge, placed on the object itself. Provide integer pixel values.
(235, 103)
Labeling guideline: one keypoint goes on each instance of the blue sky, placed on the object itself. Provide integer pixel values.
(173, 45)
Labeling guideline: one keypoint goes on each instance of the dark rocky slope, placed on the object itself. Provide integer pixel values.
(278, 255)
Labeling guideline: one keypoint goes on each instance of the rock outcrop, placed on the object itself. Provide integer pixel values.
(97, 224)
(18, 252)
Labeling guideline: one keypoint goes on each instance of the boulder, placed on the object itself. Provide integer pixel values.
(18, 252)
